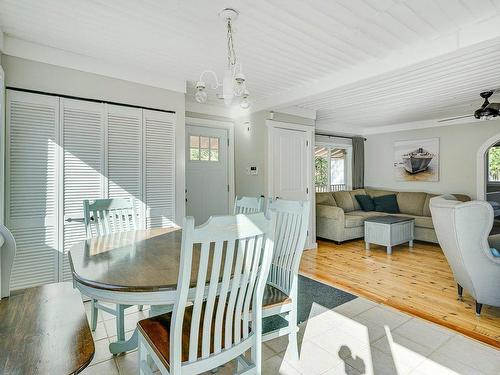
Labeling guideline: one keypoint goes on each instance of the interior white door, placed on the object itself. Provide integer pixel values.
(32, 149)
(83, 166)
(207, 174)
(290, 158)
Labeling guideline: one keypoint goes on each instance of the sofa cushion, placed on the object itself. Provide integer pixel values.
(353, 221)
(344, 200)
(411, 203)
(353, 193)
(426, 210)
(378, 193)
(386, 203)
(325, 198)
(365, 202)
(366, 214)
(420, 221)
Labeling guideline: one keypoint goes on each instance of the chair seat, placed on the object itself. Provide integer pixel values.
(156, 330)
(273, 297)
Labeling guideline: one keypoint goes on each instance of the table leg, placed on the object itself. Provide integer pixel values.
(389, 250)
(122, 346)
(411, 243)
(367, 245)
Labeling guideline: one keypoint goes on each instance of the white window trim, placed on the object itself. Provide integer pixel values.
(229, 126)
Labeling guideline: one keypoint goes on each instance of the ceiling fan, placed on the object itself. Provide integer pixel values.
(487, 111)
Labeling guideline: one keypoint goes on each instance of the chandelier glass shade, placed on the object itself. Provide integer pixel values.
(234, 81)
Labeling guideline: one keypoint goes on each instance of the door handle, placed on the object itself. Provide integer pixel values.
(77, 219)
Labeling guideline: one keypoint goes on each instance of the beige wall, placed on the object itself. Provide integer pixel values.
(27, 74)
(459, 145)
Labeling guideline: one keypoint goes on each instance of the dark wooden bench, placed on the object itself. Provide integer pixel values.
(44, 330)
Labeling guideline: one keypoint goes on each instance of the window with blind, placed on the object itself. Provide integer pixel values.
(61, 151)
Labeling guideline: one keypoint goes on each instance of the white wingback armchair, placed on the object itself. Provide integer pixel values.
(462, 230)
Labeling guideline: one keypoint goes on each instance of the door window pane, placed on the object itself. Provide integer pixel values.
(204, 154)
(203, 148)
(194, 154)
(194, 141)
(214, 149)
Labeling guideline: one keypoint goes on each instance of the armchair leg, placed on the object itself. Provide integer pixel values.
(460, 291)
(479, 306)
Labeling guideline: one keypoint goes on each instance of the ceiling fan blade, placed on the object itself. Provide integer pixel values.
(455, 118)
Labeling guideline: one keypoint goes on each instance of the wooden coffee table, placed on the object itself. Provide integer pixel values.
(388, 230)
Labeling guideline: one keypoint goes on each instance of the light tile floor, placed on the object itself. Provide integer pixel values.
(358, 337)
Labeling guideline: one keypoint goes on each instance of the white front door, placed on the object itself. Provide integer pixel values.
(290, 164)
(207, 180)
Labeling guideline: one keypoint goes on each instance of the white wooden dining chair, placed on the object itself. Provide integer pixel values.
(223, 271)
(280, 297)
(248, 205)
(102, 217)
(7, 255)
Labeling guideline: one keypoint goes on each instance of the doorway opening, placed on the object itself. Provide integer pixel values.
(492, 183)
(332, 166)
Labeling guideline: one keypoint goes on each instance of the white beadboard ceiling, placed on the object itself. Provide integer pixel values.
(284, 45)
(441, 88)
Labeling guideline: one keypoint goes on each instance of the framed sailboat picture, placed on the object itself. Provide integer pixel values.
(416, 160)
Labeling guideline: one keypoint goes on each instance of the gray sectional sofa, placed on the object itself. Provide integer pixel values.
(339, 216)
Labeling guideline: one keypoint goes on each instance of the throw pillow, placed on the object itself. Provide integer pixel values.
(495, 252)
(365, 202)
(386, 203)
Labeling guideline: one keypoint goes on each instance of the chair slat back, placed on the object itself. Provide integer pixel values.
(234, 259)
(248, 205)
(105, 216)
(7, 255)
(292, 222)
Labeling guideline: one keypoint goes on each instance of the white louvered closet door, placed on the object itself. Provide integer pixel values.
(124, 129)
(83, 166)
(159, 162)
(32, 186)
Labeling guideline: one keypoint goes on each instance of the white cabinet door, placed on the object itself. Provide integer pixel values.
(32, 186)
(61, 151)
(124, 155)
(207, 179)
(83, 166)
(290, 157)
(159, 163)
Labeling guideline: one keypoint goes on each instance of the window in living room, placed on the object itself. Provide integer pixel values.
(330, 164)
(494, 164)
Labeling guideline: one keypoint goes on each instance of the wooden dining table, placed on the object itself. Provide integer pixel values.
(138, 267)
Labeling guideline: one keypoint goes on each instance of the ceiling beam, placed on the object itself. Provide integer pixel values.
(49, 55)
(437, 123)
(297, 111)
(481, 32)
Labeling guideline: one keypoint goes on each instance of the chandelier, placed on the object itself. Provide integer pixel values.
(233, 83)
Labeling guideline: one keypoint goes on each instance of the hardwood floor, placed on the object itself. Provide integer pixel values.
(417, 281)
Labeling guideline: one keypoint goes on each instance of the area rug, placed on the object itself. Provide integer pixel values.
(310, 292)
